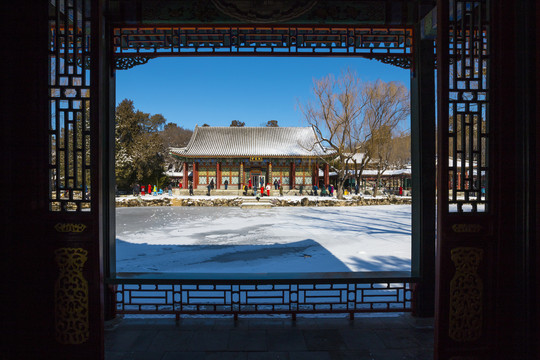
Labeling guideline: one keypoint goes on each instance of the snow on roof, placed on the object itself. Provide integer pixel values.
(171, 173)
(370, 172)
(358, 157)
(209, 141)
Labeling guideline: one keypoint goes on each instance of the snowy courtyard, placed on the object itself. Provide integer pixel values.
(280, 239)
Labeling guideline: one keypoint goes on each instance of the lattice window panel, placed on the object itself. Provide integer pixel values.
(230, 173)
(282, 172)
(468, 126)
(136, 45)
(159, 297)
(70, 160)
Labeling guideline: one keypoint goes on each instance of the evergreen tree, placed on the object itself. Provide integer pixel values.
(140, 149)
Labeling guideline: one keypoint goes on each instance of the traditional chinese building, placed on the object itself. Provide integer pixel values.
(237, 155)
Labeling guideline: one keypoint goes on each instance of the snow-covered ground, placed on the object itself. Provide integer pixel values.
(280, 239)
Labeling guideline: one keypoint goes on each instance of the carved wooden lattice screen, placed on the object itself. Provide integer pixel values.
(69, 113)
(467, 125)
(135, 45)
(465, 230)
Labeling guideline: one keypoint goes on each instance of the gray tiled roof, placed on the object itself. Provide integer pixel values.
(210, 141)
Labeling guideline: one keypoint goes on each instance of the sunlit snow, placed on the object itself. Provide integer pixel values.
(280, 239)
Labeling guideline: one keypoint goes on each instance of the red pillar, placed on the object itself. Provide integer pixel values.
(292, 175)
(315, 175)
(186, 175)
(326, 174)
(241, 174)
(195, 175)
(218, 175)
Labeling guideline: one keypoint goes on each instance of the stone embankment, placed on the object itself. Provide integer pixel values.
(237, 201)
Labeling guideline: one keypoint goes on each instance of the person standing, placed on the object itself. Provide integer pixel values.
(190, 188)
(323, 190)
(249, 184)
(143, 191)
(226, 183)
(400, 191)
(276, 185)
(169, 188)
(262, 190)
(268, 188)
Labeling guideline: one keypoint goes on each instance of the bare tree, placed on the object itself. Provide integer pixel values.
(387, 105)
(174, 136)
(336, 111)
(349, 115)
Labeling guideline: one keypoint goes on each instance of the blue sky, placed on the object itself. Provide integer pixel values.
(217, 90)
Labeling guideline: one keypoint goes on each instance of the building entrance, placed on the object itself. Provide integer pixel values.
(257, 178)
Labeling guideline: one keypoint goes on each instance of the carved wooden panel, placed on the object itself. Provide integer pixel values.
(69, 105)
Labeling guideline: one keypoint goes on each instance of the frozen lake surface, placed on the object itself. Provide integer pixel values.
(280, 239)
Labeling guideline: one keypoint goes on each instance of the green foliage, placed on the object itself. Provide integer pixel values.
(140, 148)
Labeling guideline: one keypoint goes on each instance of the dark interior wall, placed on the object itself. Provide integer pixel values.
(28, 297)
(515, 106)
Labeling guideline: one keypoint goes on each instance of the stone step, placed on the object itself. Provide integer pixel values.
(256, 205)
(253, 203)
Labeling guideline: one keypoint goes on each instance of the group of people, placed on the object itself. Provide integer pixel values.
(262, 190)
(142, 190)
(327, 190)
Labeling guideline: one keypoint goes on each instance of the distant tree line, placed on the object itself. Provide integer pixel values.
(142, 143)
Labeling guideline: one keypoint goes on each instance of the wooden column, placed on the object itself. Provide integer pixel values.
(423, 168)
(315, 175)
(292, 175)
(241, 176)
(269, 173)
(326, 174)
(218, 175)
(185, 179)
(195, 175)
